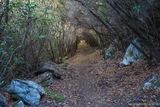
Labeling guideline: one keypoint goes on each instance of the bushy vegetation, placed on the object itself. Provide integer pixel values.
(54, 95)
(31, 31)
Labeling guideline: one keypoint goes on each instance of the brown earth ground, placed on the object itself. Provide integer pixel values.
(91, 81)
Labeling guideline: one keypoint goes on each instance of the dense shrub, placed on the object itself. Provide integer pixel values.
(32, 33)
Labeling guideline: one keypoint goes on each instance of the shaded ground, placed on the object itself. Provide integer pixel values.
(93, 82)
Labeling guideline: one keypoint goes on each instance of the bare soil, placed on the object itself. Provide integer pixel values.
(91, 81)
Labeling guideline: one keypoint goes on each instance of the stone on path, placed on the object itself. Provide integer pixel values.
(132, 54)
(27, 91)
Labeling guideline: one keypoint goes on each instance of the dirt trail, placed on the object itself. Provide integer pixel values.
(93, 82)
(85, 56)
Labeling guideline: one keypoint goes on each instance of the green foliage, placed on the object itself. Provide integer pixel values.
(54, 95)
(31, 25)
(137, 8)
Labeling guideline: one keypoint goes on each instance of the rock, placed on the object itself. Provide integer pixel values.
(27, 91)
(51, 67)
(44, 79)
(19, 104)
(110, 52)
(153, 82)
(3, 101)
(132, 54)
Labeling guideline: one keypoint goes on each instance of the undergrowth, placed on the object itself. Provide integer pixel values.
(54, 95)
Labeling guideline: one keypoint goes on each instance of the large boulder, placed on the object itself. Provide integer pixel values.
(132, 53)
(51, 67)
(27, 91)
(3, 101)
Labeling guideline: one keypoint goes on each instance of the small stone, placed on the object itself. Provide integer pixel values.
(19, 104)
(110, 52)
(89, 103)
(147, 85)
(44, 79)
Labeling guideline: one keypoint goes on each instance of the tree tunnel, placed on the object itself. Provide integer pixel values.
(86, 38)
(82, 38)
